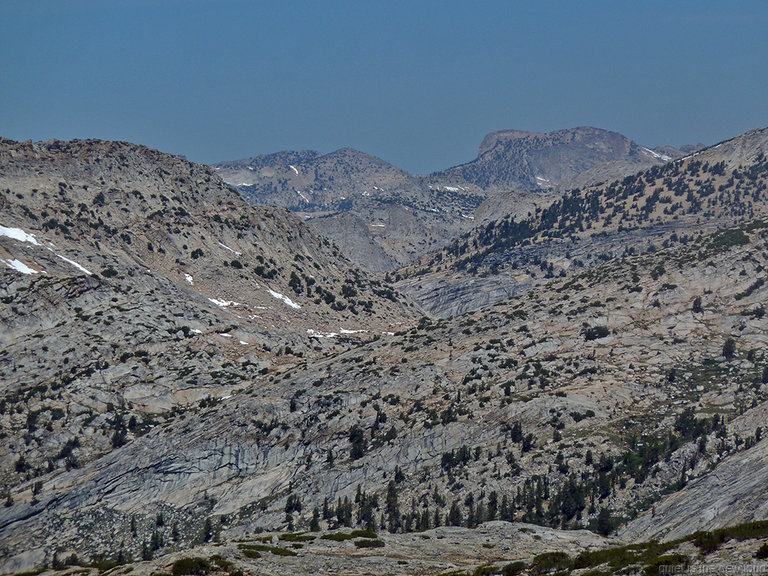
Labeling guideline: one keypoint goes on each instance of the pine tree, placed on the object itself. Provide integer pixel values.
(207, 530)
(393, 507)
(493, 505)
(314, 524)
(505, 509)
(424, 520)
(455, 517)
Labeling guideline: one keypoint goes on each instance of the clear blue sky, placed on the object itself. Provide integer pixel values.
(416, 83)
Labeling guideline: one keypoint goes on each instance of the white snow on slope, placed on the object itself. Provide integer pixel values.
(663, 157)
(345, 331)
(188, 278)
(285, 299)
(224, 303)
(293, 168)
(230, 249)
(75, 264)
(20, 266)
(316, 334)
(302, 196)
(18, 234)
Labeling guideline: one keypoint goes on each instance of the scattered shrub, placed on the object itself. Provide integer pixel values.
(195, 566)
(369, 543)
(595, 332)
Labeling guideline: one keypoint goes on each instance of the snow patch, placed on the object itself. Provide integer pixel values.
(196, 331)
(75, 264)
(285, 299)
(663, 157)
(18, 234)
(20, 267)
(188, 278)
(293, 168)
(687, 157)
(230, 249)
(243, 342)
(316, 334)
(345, 331)
(225, 335)
(224, 303)
(302, 196)
(467, 216)
(378, 225)
(451, 188)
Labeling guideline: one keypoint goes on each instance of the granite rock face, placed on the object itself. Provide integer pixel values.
(513, 159)
(522, 240)
(278, 386)
(362, 202)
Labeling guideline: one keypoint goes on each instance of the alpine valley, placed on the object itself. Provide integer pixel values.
(550, 359)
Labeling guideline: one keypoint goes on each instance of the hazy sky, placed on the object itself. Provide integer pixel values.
(416, 83)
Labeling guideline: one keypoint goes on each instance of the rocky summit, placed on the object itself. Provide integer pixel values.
(192, 385)
(383, 218)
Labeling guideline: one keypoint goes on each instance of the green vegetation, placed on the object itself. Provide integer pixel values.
(194, 566)
(297, 537)
(367, 543)
(595, 332)
(338, 536)
(254, 550)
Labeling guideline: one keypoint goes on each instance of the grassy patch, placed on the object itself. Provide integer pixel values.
(367, 543)
(195, 566)
(296, 537)
(337, 536)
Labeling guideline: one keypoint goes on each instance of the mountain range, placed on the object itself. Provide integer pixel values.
(574, 382)
(383, 218)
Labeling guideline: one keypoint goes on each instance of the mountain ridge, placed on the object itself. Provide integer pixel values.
(345, 191)
(279, 388)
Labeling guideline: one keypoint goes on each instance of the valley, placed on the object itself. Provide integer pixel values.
(186, 375)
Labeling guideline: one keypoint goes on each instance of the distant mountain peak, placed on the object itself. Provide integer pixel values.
(521, 160)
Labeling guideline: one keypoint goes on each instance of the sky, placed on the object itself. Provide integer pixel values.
(417, 83)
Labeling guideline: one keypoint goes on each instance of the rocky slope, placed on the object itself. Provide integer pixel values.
(310, 182)
(512, 159)
(575, 405)
(134, 285)
(145, 413)
(382, 217)
(554, 235)
(494, 548)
